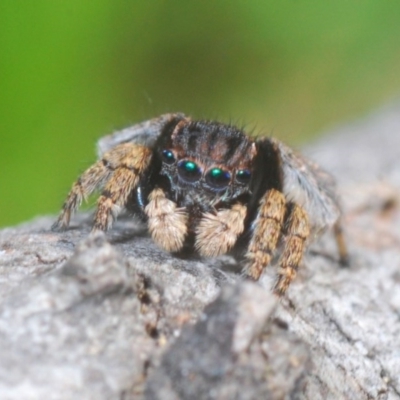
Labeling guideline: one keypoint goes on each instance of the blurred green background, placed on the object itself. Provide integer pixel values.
(71, 71)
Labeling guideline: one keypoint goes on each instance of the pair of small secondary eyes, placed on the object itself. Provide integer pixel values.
(216, 177)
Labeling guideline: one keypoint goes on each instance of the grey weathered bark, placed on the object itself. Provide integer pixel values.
(85, 318)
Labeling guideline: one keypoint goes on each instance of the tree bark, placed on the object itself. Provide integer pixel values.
(107, 318)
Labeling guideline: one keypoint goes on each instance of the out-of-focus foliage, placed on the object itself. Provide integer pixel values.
(71, 71)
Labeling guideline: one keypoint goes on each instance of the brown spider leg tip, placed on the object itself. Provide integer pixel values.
(253, 272)
(255, 276)
(344, 260)
(56, 227)
(280, 287)
(278, 291)
(61, 224)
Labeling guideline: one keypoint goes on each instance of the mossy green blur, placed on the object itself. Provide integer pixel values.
(75, 70)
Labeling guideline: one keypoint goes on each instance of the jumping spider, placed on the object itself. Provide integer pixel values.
(208, 187)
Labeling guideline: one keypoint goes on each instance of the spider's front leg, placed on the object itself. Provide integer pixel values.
(129, 161)
(118, 172)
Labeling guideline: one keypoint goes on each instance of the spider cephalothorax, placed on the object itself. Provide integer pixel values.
(210, 188)
(208, 160)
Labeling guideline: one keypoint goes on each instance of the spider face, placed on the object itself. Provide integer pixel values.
(207, 161)
(209, 188)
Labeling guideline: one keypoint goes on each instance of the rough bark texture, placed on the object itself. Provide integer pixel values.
(89, 318)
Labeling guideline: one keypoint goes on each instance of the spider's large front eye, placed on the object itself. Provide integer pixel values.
(168, 156)
(189, 171)
(218, 178)
(243, 176)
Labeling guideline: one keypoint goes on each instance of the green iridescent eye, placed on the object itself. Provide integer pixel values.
(168, 156)
(243, 176)
(218, 178)
(189, 171)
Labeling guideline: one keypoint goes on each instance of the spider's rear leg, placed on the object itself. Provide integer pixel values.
(297, 231)
(267, 230)
(128, 161)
